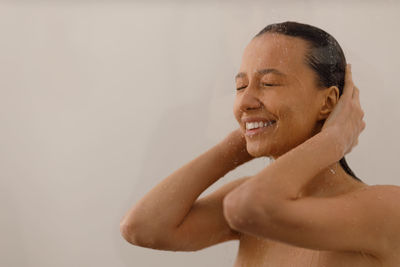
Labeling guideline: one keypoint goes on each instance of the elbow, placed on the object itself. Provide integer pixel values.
(135, 235)
(133, 229)
(237, 211)
(129, 233)
(140, 231)
(246, 212)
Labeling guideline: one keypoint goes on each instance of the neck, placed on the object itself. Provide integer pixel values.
(331, 181)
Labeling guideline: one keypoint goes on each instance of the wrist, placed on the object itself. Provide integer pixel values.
(332, 137)
(234, 148)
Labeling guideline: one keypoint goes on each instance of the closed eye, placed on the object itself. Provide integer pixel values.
(265, 84)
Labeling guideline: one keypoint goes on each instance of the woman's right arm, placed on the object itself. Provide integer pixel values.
(161, 212)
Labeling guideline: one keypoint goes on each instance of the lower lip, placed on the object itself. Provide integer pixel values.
(259, 130)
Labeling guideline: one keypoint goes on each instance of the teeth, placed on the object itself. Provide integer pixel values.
(253, 125)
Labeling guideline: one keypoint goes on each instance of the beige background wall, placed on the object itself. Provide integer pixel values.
(102, 100)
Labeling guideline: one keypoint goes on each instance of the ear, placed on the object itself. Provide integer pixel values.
(330, 99)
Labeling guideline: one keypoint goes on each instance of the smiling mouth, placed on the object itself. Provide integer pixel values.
(263, 128)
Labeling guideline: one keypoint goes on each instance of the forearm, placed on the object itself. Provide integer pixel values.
(166, 205)
(285, 177)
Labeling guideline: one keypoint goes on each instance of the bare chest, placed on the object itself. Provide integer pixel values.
(257, 252)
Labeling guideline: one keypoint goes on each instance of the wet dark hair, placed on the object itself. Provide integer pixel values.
(324, 56)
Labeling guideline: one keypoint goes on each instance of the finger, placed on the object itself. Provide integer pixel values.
(349, 150)
(348, 84)
(354, 144)
(356, 96)
(356, 92)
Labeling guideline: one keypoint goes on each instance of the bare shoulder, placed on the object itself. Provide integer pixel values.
(383, 202)
(380, 192)
(386, 198)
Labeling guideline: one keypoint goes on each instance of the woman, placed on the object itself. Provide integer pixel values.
(296, 103)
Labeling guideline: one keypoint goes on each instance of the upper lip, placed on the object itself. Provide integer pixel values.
(256, 119)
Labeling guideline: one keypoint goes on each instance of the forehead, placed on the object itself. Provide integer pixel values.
(273, 50)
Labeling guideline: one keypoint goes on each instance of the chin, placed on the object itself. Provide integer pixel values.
(270, 150)
(259, 151)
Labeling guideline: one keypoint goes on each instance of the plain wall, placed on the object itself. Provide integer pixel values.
(102, 100)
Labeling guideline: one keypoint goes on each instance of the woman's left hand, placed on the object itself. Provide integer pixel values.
(346, 119)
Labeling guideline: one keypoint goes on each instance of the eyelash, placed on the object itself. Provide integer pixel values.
(267, 84)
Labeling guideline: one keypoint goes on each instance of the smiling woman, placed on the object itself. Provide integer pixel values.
(296, 103)
(323, 55)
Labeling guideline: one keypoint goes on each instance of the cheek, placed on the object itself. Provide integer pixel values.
(285, 112)
(300, 124)
(293, 119)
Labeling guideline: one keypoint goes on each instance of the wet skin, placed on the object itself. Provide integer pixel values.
(292, 98)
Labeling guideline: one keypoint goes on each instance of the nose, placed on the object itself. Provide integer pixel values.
(250, 99)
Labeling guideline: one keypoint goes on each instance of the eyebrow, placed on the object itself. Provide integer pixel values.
(262, 72)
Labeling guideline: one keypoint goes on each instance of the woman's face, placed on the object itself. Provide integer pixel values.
(288, 95)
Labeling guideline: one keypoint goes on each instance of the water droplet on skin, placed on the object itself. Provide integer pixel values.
(259, 238)
(332, 171)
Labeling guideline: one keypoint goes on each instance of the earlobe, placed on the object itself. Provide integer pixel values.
(330, 100)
